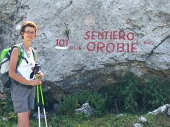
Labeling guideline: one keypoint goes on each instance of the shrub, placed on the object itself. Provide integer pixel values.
(131, 94)
(68, 105)
(83, 97)
(98, 102)
(156, 92)
(70, 102)
(6, 108)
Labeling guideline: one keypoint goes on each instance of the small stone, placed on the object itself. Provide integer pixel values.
(142, 119)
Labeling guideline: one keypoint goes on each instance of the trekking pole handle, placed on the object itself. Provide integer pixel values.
(37, 68)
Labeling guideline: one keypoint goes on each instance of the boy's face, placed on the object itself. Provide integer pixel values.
(29, 33)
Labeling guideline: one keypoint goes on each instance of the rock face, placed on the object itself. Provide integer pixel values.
(103, 38)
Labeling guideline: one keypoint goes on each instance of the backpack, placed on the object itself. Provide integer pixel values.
(4, 63)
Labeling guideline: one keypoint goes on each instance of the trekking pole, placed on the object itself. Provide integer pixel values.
(38, 99)
(39, 88)
(42, 98)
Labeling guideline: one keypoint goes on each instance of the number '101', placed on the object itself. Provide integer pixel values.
(61, 42)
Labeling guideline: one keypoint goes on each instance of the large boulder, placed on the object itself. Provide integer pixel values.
(100, 40)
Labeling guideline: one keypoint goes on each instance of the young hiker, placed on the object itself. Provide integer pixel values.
(22, 89)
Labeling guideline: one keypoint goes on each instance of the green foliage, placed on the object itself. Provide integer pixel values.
(127, 90)
(98, 102)
(109, 120)
(70, 102)
(67, 31)
(6, 109)
(123, 93)
(156, 92)
(134, 95)
(95, 99)
(83, 97)
(68, 105)
(7, 123)
(81, 116)
(129, 94)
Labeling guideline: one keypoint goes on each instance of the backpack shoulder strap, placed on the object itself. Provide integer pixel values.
(20, 54)
(34, 54)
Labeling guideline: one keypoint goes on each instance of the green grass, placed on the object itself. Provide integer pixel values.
(109, 120)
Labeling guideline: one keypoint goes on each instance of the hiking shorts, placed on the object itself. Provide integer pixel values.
(22, 98)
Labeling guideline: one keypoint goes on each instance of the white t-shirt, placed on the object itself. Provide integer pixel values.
(24, 69)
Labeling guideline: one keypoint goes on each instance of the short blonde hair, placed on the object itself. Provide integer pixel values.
(30, 24)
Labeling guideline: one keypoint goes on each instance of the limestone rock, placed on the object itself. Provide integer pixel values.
(159, 110)
(142, 119)
(103, 39)
(168, 112)
(85, 109)
(137, 125)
